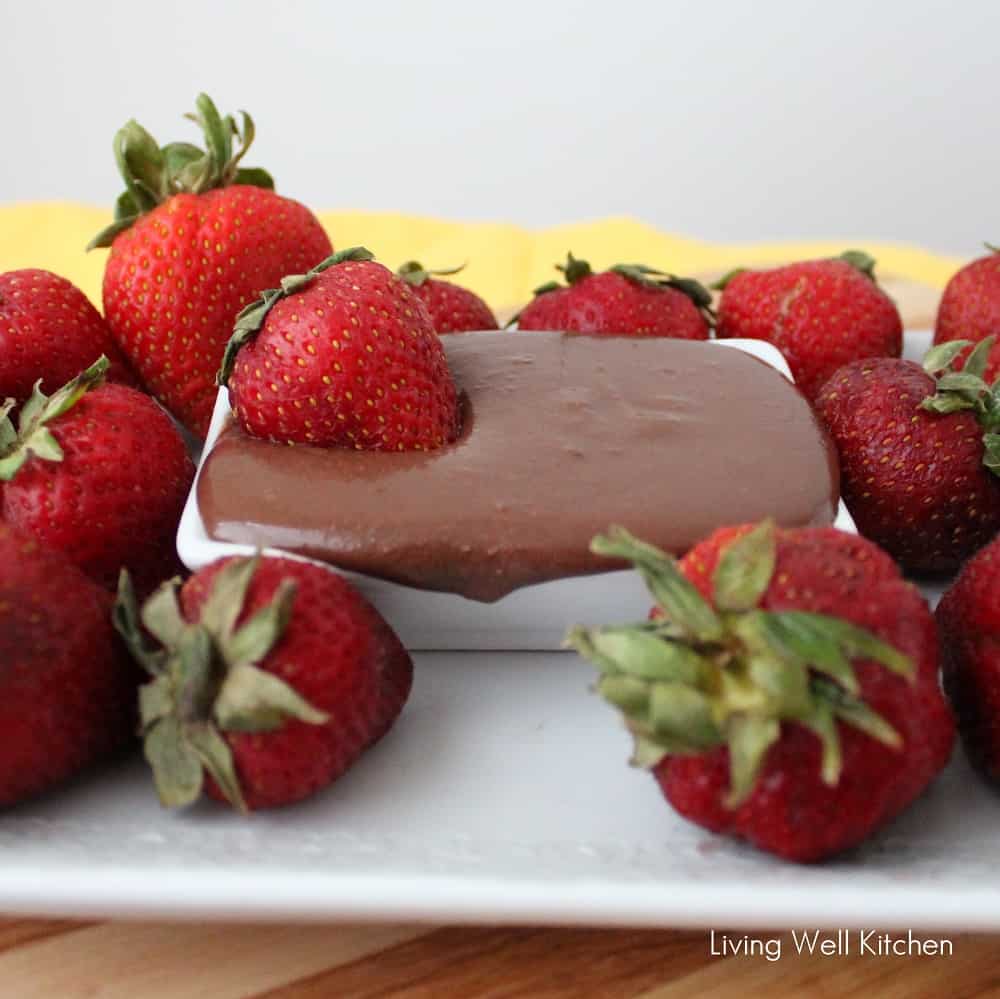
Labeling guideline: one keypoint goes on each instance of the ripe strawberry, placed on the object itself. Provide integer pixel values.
(970, 307)
(786, 693)
(819, 313)
(344, 355)
(452, 308)
(100, 473)
(968, 618)
(67, 690)
(196, 237)
(627, 299)
(274, 676)
(50, 331)
(917, 471)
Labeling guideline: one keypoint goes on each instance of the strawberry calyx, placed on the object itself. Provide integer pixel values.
(415, 274)
(33, 436)
(965, 389)
(575, 271)
(722, 282)
(251, 317)
(206, 680)
(152, 173)
(862, 262)
(726, 673)
(649, 277)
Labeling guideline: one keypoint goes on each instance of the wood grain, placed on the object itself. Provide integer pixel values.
(150, 961)
(146, 961)
(15, 933)
(501, 963)
(972, 970)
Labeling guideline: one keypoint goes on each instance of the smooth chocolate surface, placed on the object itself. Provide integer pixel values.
(564, 435)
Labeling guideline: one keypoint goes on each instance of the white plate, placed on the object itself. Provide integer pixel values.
(531, 618)
(501, 796)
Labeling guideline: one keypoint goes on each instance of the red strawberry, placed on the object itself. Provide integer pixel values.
(50, 331)
(100, 473)
(627, 299)
(196, 237)
(788, 693)
(274, 676)
(344, 355)
(452, 308)
(914, 458)
(67, 690)
(820, 314)
(970, 307)
(969, 621)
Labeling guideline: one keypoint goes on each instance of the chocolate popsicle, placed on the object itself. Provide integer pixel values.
(563, 435)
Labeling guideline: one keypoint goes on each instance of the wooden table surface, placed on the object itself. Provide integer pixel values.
(66, 959)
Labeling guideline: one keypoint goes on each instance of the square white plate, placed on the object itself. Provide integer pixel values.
(502, 795)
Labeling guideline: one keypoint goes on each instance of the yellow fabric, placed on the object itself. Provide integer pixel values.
(504, 261)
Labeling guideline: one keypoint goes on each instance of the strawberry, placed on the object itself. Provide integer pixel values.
(452, 308)
(50, 331)
(273, 675)
(196, 237)
(99, 472)
(970, 307)
(627, 299)
(786, 691)
(819, 313)
(919, 454)
(969, 622)
(344, 355)
(67, 689)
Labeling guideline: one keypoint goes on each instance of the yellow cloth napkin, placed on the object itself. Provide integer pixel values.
(505, 262)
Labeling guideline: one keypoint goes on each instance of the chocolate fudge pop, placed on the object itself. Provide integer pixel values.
(563, 435)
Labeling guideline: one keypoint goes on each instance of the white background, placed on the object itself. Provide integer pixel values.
(724, 120)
